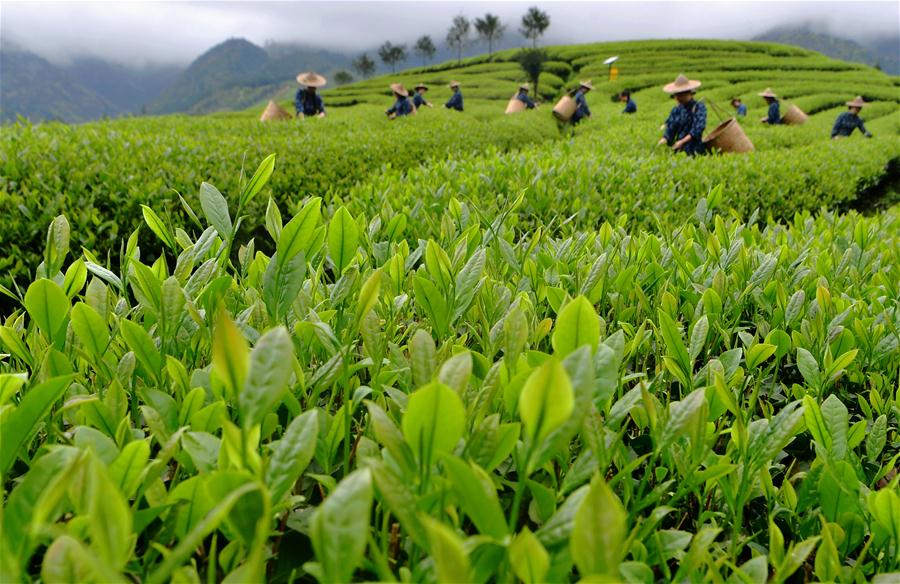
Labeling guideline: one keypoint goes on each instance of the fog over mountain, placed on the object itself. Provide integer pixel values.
(84, 60)
(178, 32)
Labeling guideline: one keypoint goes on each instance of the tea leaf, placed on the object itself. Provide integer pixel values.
(270, 368)
(292, 454)
(528, 558)
(599, 533)
(22, 423)
(340, 526)
(215, 208)
(434, 421)
(47, 304)
(576, 325)
(343, 238)
(547, 400)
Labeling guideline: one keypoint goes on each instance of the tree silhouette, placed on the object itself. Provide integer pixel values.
(490, 30)
(364, 66)
(343, 77)
(534, 23)
(532, 63)
(458, 35)
(425, 48)
(392, 54)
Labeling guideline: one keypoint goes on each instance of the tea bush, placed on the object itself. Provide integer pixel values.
(101, 173)
(457, 347)
(716, 400)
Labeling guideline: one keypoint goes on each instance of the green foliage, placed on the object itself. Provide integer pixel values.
(472, 371)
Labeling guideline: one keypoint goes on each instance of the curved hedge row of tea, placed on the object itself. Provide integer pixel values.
(100, 174)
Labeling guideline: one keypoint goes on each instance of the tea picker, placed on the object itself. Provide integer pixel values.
(307, 101)
(402, 105)
(686, 122)
(574, 108)
(456, 100)
(419, 98)
(774, 114)
(850, 120)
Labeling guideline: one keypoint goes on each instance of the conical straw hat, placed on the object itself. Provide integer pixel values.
(454, 84)
(311, 79)
(399, 89)
(681, 84)
(274, 112)
(421, 86)
(525, 86)
(768, 93)
(857, 102)
(585, 83)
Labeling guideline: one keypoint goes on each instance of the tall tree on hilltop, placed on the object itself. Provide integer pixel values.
(425, 48)
(534, 23)
(490, 30)
(532, 63)
(458, 35)
(391, 54)
(364, 66)
(343, 77)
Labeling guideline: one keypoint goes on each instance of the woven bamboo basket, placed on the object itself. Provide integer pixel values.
(515, 106)
(729, 137)
(794, 116)
(274, 112)
(565, 108)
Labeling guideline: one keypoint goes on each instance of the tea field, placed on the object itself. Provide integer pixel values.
(458, 347)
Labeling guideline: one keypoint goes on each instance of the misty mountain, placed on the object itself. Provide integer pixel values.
(85, 89)
(883, 52)
(128, 88)
(237, 73)
(38, 90)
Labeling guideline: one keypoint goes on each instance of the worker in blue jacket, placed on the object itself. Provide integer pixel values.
(740, 108)
(456, 100)
(419, 97)
(630, 106)
(774, 115)
(850, 120)
(523, 96)
(581, 107)
(307, 101)
(402, 105)
(686, 123)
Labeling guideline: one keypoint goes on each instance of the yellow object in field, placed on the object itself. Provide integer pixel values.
(613, 73)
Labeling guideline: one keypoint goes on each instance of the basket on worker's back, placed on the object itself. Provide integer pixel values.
(274, 112)
(728, 137)
(794, 116)
(515, 105)
(565, 108)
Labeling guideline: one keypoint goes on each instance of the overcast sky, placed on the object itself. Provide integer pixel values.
(177, 32)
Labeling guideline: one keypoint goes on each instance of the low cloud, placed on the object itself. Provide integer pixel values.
(177, 32)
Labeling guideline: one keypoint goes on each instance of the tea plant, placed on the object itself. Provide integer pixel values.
(716, 400)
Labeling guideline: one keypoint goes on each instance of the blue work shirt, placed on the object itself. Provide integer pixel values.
(581, 110)
(742, 110)
(308, 104)
(523, 97)
(846, 123)
(455, 102)
(689, 118)
(774, 116)
(419, 100)
(630, 107)
(401, 107)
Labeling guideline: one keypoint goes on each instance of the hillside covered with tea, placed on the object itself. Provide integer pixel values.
(459, 346)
